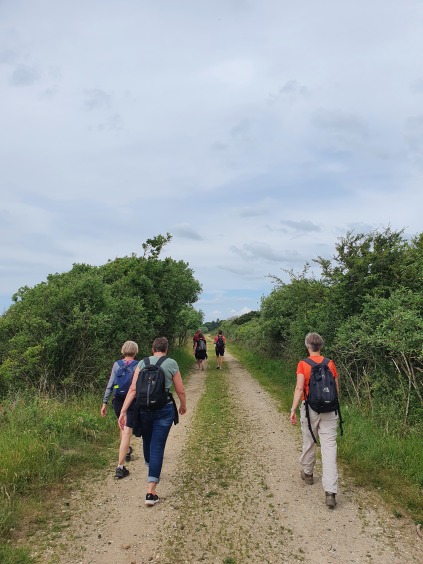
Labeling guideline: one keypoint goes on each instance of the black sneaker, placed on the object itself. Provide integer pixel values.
(151, 499)
(128, 454)
(121, 472)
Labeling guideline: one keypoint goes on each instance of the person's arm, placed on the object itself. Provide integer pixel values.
(180, 391)
(108, 392)
(298, 394)
(129, 399)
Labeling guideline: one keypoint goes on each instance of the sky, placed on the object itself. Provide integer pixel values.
(255, 132)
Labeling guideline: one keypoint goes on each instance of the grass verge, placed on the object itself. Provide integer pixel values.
(391, 464)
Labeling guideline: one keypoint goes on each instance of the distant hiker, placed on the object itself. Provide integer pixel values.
(195, 339)
(154, 418)
(323, 424)
(219, 344)
(201, 351)
(119, 383)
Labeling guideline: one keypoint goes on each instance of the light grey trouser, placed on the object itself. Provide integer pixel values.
(325, 428)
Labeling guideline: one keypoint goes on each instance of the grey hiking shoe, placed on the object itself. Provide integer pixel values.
(330, 500)
(128, 454)
(121, 472)
(308, 478)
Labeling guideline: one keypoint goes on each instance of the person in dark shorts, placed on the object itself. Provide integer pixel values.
(219, 344)
(129, 350)
(200, 351)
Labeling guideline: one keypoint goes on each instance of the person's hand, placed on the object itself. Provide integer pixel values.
(122, 421)
(182, 410)
(293, 417)
(103, 410)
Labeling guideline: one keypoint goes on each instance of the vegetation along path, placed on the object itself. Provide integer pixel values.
(230, 493)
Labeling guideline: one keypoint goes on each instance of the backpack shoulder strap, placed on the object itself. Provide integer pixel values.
(161, 360)
(133, 363)
(309, 361)
(326, 360)
(146, 360)
(120, 362)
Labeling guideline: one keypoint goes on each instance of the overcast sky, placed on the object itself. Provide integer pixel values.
(256, 132)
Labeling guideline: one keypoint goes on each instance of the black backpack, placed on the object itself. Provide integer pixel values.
(220, 343)
(322, 394)
(201, 345)
(123, 379)
(151, 389)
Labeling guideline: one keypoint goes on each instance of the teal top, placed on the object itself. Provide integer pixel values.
(170, 368)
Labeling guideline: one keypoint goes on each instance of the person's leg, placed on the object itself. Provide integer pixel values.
(221, 358)
(146, 432)
(162, 422)
(327, 433)
(308, 454)
(124, 444)
(117, 407)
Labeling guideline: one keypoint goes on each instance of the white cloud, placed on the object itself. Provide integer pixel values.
(255, 135)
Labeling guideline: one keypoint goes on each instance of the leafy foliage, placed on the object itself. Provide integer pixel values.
(63, 333)
(368, 306)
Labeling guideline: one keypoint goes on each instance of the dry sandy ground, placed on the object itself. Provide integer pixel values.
(269, 516)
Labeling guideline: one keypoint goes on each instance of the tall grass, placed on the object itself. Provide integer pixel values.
(388, 461)
(44, 442)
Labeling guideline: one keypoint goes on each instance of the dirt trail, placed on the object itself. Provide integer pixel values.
(271, 515)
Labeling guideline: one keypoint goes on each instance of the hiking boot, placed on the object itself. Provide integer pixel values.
(151, 499)
(330, 500)
(121, 472)
(308, 478)
(128, 454)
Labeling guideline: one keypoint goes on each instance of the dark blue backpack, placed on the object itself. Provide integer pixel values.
(123, 379)
(322, 394)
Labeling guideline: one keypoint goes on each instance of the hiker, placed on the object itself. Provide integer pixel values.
(200, 351)
(322, 425)
(155, 424)
(119, 383)
(219, 344)
(195, 339)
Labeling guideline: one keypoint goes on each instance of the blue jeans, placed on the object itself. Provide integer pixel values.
(155, 427)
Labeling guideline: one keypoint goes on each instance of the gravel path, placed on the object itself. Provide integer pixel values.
(270, 515)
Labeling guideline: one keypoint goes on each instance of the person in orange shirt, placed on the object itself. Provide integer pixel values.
(323, 425)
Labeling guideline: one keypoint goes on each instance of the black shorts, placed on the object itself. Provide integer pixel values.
(200, 355)
(220, 351)
(117, 407)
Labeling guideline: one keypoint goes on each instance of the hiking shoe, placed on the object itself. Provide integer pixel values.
(330, 500)
(128, 454)
(151, 499)
(308, 478)
(121, 472)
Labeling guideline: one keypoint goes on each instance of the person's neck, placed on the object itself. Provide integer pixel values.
(158, 353)
(314, 353)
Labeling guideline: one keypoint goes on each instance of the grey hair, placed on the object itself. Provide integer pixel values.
(313, 341)
(129, 348)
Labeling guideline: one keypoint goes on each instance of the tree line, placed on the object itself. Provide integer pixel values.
(368, 305)
(62, 334)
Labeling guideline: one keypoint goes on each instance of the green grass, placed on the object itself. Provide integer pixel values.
(390, 462)
(45, 443)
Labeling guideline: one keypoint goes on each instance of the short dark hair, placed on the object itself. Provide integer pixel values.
(220, 332)
(160, 344)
